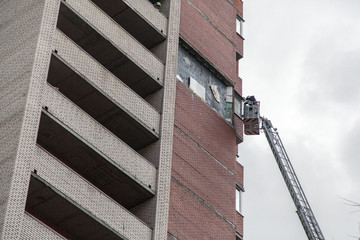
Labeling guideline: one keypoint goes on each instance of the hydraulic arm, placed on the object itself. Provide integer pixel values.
(304, 211)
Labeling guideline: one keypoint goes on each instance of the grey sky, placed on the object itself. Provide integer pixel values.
(302, 61)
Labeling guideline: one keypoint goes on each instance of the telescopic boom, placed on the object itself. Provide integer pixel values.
(252, 124)
(304, 211)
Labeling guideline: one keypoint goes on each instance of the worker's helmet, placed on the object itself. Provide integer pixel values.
(157, 4)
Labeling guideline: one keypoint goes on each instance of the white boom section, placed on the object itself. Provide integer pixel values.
(304, 211)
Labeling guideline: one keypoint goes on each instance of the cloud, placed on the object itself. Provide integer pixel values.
(302, 62)
(350, 155)
(330, 81)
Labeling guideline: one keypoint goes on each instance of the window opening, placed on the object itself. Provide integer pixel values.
(239, 25)
(238, 199)
(238, 58)
(238, 105)
(229, 103)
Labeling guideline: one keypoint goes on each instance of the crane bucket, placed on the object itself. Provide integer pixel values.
(251, 116)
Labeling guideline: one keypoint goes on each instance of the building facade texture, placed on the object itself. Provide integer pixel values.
(119, 120)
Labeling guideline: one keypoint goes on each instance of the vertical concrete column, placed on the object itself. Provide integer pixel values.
(26, 29)
(167, 124)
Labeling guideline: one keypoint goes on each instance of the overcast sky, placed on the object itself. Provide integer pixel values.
(302, 61)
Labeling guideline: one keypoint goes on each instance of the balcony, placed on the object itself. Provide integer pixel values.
(95, 153)
(33, 229)
(113, 47)
(109, 102)
(63, 215)
(139, 18)
(64, 200)
(90, 163)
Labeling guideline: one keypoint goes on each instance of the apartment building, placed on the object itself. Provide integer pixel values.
(120, 120)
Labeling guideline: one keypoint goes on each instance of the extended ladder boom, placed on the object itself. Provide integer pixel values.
(304, 211)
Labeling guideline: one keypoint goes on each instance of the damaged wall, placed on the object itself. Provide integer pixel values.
(189, 66)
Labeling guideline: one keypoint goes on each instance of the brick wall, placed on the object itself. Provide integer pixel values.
(239, 7)
(239, 126)
(197, 171)
(204, 172)
(239, 218)
(214, 20)
(205, 126)
(239, 173)
(190, 219)
(240, 224)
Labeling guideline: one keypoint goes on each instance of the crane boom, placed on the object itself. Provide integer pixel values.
(304, 211)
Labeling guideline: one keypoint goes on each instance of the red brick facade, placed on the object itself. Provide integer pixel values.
(215, 21)
(239, 224)
(239, 7)
(197, 167)
(191, 219)
(205, 126)
(239, 129)
(204, 172)
(204, 167)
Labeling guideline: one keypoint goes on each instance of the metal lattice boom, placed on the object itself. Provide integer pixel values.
(304, 211)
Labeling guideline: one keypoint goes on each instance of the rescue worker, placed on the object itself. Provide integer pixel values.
(251, 98)
(251, 101)
(156, 3)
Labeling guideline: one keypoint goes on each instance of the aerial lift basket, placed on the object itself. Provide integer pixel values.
(252, 116)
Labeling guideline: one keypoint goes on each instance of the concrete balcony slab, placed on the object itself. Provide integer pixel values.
(103, 96)
(33, 229)
(74, 122)
(74, 208)
(91, 164)
(139, 18)
(112, 46)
